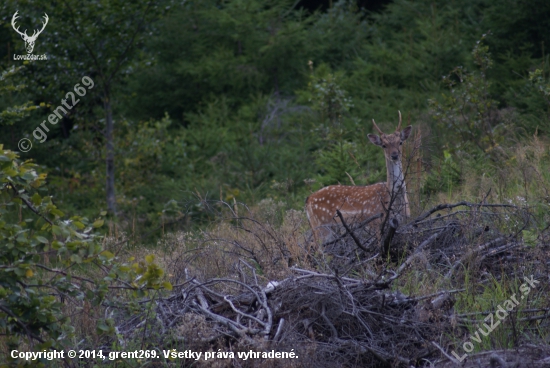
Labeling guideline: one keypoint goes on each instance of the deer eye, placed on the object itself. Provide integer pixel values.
(383, 146)
(400, 143)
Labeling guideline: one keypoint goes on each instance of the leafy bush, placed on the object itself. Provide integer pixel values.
(468, 111)
(48, 260)
(343, 151)
(446, 176)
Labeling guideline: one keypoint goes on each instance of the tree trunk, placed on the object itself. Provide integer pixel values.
(110, 156)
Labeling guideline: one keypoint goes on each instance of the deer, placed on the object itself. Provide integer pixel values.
(29, 40)
(359, 203)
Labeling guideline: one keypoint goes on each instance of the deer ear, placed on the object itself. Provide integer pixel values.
(375, 139)
(406, 132)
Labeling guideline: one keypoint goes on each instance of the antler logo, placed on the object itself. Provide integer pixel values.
(29, 40)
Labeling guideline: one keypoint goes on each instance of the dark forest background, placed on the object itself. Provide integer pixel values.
(254, 99)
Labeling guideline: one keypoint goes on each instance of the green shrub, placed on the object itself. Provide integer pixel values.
(48, 258)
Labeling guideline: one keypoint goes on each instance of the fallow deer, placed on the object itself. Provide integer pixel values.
(357, 203)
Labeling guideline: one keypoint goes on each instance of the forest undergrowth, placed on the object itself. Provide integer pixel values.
(255, 280)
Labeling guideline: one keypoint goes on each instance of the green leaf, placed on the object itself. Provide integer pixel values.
(57, 230)
(102, 327)
(41, 239)
(107, 254)
(79, 225)
(57, 244)
(36, 199)
(10, 172)
(57, 212)
(98, 223)
(22, 238)
(76, 258)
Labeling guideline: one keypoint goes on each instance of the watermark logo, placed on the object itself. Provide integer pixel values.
(501, 313)
(66, 105)
(29, 40)
(24, 145)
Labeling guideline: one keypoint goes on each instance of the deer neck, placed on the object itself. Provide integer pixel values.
(397, 187)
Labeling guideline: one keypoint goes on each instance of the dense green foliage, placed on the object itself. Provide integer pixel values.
(44, 253)
(249, 99)
(49, 260)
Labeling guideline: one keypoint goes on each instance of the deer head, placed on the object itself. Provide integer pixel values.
(29, 40)
(391, 143)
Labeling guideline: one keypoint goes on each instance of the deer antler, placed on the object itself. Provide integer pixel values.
(24, 34)
(13, 25)
(399, 126)
(376, 126)
(43, 26)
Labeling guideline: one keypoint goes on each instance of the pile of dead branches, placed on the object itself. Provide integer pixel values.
(329, 320)
(346, 312)
(451, 236)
